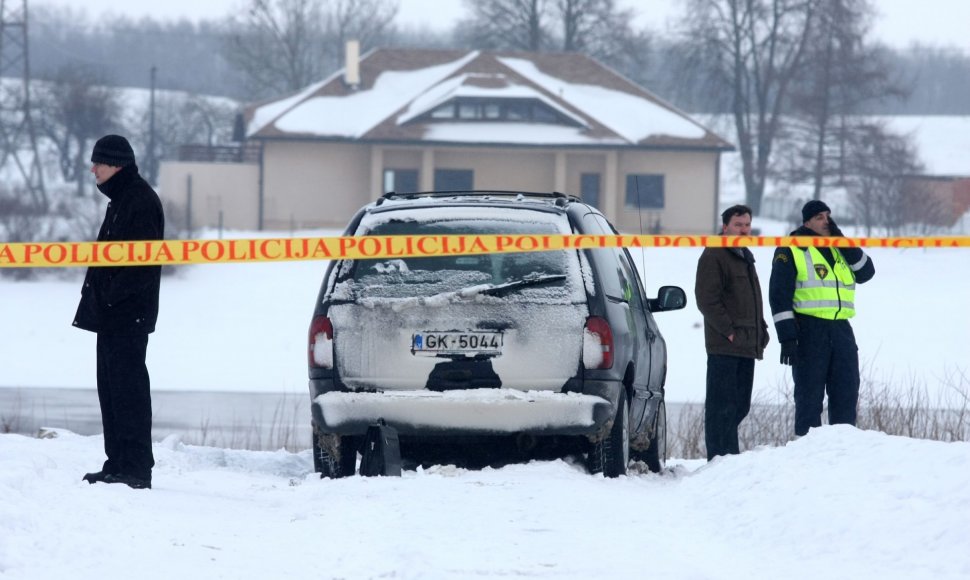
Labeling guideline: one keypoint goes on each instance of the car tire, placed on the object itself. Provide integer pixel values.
(612, 455)
(656, 454)
(324, 461)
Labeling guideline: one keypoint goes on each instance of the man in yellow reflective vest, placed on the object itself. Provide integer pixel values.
(812, 298)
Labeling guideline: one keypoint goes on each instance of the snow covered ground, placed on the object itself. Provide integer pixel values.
(243, 328)
(837, 504)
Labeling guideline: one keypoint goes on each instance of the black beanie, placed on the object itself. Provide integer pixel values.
(813, 208)
(113, 150)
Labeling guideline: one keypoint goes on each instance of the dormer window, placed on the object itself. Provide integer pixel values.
(501, 110)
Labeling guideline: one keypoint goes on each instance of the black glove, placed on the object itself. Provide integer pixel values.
(789, 352)
(834, 228)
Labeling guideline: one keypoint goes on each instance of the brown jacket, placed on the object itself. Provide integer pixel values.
(728, 294)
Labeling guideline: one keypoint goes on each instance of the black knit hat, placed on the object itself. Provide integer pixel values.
(113, 150)
(813, 208)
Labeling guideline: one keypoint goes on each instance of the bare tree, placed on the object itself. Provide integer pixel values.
(76, 108)
(597, 28)
(754, 49)
(842, 75)
(281, 46)
(509, 24)
(879, 161)
(278, 45)
(368, 21)
(183, 119)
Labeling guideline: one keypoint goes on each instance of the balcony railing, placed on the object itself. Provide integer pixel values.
(220, 153)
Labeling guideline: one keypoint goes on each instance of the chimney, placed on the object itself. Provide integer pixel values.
(352, 63)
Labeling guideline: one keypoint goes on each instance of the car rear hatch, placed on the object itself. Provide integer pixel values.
(445, 322)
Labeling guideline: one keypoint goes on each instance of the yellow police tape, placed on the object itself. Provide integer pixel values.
(180, 252)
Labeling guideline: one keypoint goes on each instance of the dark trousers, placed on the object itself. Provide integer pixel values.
(828, 363)
(126, 404)
(729, 383)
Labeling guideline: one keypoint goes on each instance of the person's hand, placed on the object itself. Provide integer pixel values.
(834, 229)
(789, 352)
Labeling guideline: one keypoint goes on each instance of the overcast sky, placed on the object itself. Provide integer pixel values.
(902, 22)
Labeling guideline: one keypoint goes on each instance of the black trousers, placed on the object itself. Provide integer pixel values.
(730, 380)
(828, 363)
(126, 404)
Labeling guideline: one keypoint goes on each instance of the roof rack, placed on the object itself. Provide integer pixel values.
(560, 197)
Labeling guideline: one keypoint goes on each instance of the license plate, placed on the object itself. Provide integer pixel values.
(470, 343)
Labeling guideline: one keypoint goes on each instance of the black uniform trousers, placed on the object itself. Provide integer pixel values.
(828, 363)
(126, 404)
(730, 380)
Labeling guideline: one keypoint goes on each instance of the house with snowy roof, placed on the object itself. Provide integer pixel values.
(410, 120)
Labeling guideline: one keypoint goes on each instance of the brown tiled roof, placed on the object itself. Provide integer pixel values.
(485, 70)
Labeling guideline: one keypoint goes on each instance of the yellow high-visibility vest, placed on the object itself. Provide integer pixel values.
(821, 290)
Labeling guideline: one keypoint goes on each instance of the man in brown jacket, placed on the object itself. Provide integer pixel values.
(735, 332)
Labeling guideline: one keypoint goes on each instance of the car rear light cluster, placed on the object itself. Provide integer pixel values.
(320, 351)
(597, 344)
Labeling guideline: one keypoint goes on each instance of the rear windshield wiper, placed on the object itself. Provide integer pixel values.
(528, 281)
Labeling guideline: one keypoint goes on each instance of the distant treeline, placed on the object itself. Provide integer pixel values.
(191, 57)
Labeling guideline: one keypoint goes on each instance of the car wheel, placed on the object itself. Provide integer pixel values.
(333, 456)
(656, 454)
(612, 455)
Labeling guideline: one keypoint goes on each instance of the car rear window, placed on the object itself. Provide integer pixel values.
(548, 276)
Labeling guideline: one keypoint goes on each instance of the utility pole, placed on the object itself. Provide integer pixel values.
(18, 138)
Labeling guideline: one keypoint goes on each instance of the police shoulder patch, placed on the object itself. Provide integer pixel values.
(781, 257)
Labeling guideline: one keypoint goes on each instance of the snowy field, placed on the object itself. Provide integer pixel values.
(837, 504)
(243, 328)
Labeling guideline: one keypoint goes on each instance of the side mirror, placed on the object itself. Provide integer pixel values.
(668, 298)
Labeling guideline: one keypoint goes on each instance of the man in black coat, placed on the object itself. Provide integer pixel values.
(812, 297)
(120, 304)
(735, 332)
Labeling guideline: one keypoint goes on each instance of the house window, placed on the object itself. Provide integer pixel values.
(446, 111)
(499, 109)
(401, 180)
(589, 188)
(454, 179)
(645, 191)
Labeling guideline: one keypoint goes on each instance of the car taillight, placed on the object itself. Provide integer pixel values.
(597, 344)
(320, 351)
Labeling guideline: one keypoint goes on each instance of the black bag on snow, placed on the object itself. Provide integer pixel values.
(381, 452)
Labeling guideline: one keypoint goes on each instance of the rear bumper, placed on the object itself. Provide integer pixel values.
(467, 412)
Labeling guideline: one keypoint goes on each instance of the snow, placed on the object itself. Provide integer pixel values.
(354, 115)
(416, 92)
(491, 410)
(631, 116)
(943, 141)
(457, 87)
(839, 503)
(243, 328)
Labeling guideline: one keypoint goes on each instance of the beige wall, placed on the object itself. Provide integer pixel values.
(231, 188)
(310, 185)
(690, 191)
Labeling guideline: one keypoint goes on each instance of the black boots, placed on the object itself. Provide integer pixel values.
(94, 477)
(129, 480)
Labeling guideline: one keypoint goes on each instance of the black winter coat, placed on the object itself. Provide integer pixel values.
(124, 299)
(728, 294)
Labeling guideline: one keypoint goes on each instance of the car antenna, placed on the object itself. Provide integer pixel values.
(643, 261)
